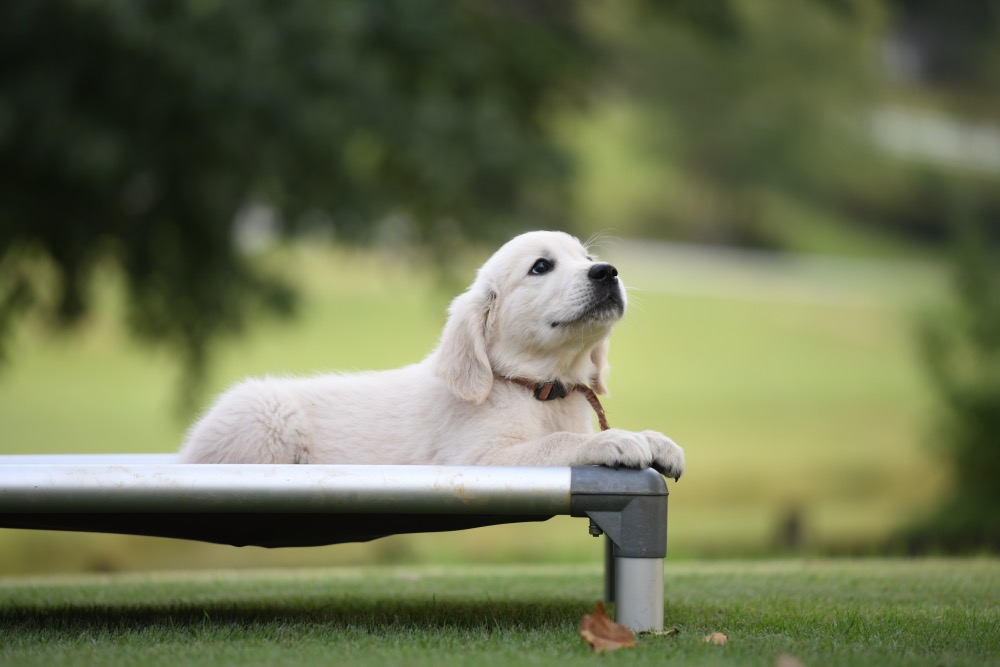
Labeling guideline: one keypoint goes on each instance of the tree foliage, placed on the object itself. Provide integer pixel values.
(132, 132)
(962, 351)
(767, 98)
(957, 41)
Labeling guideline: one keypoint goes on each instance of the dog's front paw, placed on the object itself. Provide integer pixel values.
(667, 456)
(626, 449)
(616, 448)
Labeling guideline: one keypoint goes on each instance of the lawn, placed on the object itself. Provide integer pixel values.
(793, 384)
(841, 612)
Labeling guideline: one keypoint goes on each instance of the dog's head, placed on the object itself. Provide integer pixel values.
(540, 308)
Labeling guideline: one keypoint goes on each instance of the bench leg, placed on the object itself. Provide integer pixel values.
(630, 508)
(639, 593)
(609, 571)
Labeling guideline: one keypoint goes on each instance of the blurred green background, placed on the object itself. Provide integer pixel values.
(802, 199)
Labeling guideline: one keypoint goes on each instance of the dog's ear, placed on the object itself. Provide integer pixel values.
(599, 357)
(461, 359)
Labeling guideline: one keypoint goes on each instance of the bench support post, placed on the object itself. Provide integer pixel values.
(609, 570)
(631, 510)
(639, 593)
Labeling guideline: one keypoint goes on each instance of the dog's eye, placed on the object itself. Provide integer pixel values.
(541, 266)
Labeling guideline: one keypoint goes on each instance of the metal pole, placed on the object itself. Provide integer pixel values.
(40, 487)
(609, 570)
(639, 593)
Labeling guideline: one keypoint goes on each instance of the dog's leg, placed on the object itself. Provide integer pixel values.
(614, 448)
(255, 422)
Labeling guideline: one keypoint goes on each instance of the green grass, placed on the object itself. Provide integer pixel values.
(877, 612)
(792, 391)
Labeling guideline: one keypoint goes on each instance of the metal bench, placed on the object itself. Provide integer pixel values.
(296, 505)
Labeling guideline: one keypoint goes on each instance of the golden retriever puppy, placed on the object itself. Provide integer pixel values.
(513, 381)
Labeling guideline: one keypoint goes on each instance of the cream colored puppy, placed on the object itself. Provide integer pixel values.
(512, 382)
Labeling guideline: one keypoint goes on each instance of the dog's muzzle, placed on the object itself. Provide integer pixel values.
(607, 291)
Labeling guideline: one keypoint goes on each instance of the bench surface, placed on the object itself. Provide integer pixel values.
(292, 505)
(310, 505)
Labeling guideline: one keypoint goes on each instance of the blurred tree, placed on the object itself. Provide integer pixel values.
(962, 350)
(942, 61)
(770, 100)
(950, 45)
(133, 131)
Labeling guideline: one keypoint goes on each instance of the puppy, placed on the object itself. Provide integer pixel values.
(513, 381)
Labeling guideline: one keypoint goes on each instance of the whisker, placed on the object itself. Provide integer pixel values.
(602, 239)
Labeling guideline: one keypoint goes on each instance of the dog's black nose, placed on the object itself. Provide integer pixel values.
(603, 273)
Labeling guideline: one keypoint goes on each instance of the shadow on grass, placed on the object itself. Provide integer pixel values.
(367, 616)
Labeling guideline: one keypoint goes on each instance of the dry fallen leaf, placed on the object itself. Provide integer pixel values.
(716, 638)
(602, 633)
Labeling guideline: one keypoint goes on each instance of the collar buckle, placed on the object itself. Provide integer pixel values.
(550, 391)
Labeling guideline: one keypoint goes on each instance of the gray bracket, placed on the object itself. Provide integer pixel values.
(629, 506)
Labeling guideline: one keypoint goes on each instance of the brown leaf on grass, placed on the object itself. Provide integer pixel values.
(602, 633)
(665, 633)
(716, 638)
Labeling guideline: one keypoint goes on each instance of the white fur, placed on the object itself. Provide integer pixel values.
(451, 408)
